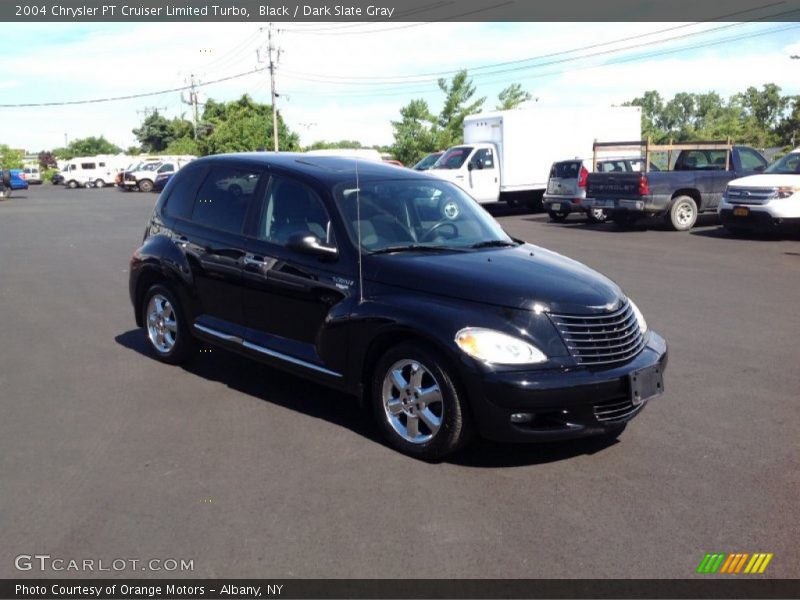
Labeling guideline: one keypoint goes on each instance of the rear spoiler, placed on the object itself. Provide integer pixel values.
(650, 148)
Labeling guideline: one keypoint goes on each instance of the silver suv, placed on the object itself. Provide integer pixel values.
(566, 187)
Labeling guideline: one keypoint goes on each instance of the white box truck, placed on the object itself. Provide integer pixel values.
(506, 155)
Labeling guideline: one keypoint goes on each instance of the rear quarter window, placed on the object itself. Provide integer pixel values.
(181, 192)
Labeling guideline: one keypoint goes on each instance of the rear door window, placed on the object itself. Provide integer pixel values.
(223, 198)
(566, 170)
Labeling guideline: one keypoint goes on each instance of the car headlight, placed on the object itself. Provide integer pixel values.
(786, 191)
(497, 348)
(639, 316)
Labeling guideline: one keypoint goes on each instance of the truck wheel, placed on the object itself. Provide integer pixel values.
(596, 215)
(72, 184)
(624, 219)
(417, 405)
(98, 183)
(558, 217)
(145, 185)
(683, 214)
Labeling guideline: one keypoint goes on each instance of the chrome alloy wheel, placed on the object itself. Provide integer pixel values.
(412, 401)
(685, 214)
(162, 327)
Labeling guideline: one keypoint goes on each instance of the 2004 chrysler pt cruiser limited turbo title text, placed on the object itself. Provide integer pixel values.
(397, 287)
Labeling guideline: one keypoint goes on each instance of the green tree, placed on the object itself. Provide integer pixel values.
(155, 133)
(416, 134)
(323, 145)
(512, 96)
(183, 145)
(458, 104)
(89, 146)
(10, 158)
(242, 125)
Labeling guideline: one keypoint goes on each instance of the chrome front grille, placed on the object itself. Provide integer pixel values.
(601, 339)
(749, 195)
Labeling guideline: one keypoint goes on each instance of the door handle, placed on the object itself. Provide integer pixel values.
(252, 261)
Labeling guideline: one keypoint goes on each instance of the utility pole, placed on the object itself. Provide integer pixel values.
(193, 101)
(273, 65)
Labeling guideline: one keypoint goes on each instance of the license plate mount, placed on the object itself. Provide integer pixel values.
(646, 383)
(741, 211)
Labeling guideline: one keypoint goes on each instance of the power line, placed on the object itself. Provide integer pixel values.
(618, 60)
(131, 96)
(420, 78)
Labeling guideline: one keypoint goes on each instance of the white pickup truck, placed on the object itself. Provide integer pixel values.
(766, 201)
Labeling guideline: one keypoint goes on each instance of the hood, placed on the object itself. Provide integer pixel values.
(518, 277)
(767, 180)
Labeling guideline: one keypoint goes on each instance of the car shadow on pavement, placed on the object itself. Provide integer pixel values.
(755, 236)
(270, 385)
(295, 393)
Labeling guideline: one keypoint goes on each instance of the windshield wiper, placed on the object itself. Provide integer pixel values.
(494, 244)
(416, 248)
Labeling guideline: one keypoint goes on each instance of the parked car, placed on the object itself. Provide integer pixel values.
(143, 176)
(694, 185)
(566, 187)
(428, 161)
(767, 201)
(398, 288)
(57, 179)
(18, 181)
(32, 175)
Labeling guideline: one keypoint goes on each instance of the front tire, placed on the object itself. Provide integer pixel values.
(72, 184)
(145, 185)
(682, 214)
(98, 183)
(417, 405)
(165, 326)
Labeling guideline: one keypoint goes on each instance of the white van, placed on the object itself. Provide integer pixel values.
(100, 169)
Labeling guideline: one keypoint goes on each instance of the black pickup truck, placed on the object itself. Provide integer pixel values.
(694, 185)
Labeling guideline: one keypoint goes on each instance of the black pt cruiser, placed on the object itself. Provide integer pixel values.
(396, 287)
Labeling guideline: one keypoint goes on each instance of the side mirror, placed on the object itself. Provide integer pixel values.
(470, 166)
(308, 243)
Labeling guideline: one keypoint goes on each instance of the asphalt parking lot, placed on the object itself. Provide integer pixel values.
(249, 472)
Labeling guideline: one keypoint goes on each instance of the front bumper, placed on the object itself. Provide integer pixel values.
(774, 214)
(564, 403)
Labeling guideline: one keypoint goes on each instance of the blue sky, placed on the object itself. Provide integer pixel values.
(348, 81)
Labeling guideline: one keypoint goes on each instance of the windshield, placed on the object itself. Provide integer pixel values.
(415, 213)
(453, 158)
(789, 164)
(427, 162)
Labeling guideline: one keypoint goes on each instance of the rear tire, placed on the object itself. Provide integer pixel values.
(165, 326)
(98, 183)
(682, 214)
(417, 405)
